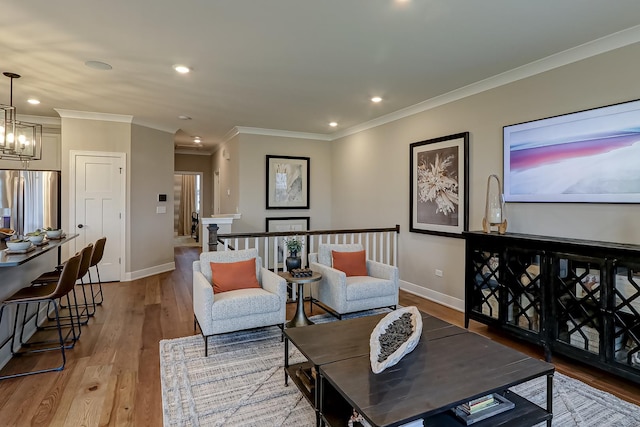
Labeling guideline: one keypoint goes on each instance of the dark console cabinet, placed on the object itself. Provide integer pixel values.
(575, 297)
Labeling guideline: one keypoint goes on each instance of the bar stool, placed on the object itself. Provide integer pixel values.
(96, 257)
(47, 293)
(53, 276)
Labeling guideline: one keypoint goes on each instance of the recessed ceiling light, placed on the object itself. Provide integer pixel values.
(197, 140)
(98, 65)
(376, 99)
(184, 117)
(33, 101)
(333, 124)
(182, 69)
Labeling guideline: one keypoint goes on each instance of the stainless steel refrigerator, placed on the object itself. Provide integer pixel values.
(29, 200)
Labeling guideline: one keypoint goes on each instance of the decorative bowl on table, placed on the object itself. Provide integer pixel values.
(35, 237)
(18, 245)
(54, 234)
(6, 232)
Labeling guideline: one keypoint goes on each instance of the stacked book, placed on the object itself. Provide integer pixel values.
(482, 408)
(307, 378)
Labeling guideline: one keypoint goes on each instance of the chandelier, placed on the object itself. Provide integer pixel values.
(21, 141)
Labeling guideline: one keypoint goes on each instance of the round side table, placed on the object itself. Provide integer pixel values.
(300, 318)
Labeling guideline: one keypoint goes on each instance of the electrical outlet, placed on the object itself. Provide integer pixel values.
(438, 273)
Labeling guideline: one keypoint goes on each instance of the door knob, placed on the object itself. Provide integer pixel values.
(80, 225)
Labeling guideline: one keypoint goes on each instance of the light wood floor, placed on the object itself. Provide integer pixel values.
(112, 376)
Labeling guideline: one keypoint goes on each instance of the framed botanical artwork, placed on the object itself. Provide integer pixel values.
(282, 225)
(287, 182)
(439, 185)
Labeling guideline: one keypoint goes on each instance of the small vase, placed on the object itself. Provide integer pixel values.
(293, 262)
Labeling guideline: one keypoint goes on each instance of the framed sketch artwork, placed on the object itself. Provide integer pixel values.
(282, 225)
(287, 182)
(439, 185)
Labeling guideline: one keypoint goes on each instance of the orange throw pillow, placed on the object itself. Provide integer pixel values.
(352, 263)
(231, 276)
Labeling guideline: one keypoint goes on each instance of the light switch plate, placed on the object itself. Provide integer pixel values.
(161, 209)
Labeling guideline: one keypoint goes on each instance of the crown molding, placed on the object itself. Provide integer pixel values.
(41, 120)
(282, 133)
(230, 135)
(88, 115)
(569, 56)
(155, 125)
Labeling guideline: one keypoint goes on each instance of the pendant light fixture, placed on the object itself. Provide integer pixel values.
(21, 141)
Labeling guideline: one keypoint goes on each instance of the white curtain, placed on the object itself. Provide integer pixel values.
(187, 204)
(40, 199)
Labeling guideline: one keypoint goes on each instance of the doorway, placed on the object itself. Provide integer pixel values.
(97, 200)
(187, 193)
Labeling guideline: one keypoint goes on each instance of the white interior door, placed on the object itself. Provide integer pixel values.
(97, 207)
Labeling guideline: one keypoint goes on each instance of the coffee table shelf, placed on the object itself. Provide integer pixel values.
(337, 412)
(292, 372)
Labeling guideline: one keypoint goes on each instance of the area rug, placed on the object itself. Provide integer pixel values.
(241, 383)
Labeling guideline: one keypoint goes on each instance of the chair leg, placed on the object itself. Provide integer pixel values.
(206, 346)
(60, 347)
(99, 293)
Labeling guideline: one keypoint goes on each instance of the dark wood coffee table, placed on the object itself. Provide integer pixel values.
(449, 366)
(333, 341)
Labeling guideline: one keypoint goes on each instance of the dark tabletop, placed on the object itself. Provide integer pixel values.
(438, 374)
(328, 342)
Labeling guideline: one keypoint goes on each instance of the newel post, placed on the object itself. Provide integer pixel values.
(213, 236)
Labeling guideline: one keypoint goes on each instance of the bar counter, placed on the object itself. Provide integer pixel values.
(14, 260)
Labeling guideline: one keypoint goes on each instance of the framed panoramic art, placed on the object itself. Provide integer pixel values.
(589, 156)
(439, 185)
(287, 182)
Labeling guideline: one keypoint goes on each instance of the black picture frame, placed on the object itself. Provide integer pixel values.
(285, 224)
(443, 209)
(288, 182)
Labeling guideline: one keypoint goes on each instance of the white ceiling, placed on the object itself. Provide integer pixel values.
(280, 64)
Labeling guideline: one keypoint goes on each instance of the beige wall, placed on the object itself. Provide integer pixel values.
(91, 135)
(253, 152)
(149, 167)
(376, 186)
(203, 164)
(229, 170)
(151, 174)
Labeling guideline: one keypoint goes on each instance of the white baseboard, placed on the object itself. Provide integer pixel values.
(139, 274)
(431, 295)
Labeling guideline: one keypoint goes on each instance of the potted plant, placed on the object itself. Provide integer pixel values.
(294, 245)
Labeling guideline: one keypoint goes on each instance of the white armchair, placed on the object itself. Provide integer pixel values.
(238, 309)
(344, 294)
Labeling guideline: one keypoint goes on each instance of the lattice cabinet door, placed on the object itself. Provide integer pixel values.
(486, 287)
(523, 285)
(578, 302)
(626, 314)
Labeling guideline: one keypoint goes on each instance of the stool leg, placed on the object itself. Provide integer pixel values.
(99, 286)
(60, 347)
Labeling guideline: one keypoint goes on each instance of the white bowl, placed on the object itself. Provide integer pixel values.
(18, 246)
(54, 234)
(35, 239)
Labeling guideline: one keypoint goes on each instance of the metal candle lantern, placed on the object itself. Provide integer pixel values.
(494, 213)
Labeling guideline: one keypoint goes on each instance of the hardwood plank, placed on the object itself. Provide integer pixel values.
(87, 404)
(119, 405)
